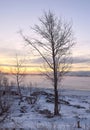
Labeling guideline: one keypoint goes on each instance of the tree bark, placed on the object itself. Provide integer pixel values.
(56, 110)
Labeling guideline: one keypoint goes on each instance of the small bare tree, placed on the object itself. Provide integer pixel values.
(19, 73)
(54, 42)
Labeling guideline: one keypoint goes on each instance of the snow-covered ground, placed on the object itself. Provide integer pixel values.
(35, 111)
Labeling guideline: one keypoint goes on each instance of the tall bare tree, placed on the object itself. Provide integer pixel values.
(54, 42)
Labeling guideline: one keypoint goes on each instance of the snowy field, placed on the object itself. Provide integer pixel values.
(35, 111)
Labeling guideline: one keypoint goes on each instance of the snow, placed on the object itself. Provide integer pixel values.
(26, 116)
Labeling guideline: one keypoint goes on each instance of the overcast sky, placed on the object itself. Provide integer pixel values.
(22, 14)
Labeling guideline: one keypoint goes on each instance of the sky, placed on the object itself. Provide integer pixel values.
(16, 15)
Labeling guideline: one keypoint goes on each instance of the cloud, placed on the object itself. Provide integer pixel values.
(76, 60)
(81, 59)
(8, 65)
(8, 51)
(37, 60)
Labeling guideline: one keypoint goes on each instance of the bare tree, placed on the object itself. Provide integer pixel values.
(54, 42)
(18, 73)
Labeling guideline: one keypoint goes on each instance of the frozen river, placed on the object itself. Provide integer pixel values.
(71, 82)
(68, 82)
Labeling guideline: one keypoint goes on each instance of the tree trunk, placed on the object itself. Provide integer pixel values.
(78, 124)
(56, 110)
(19, 90)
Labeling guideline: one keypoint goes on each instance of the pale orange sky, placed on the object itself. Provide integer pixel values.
(22, 14)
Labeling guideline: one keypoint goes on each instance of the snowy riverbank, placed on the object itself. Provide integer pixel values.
(38, 115)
